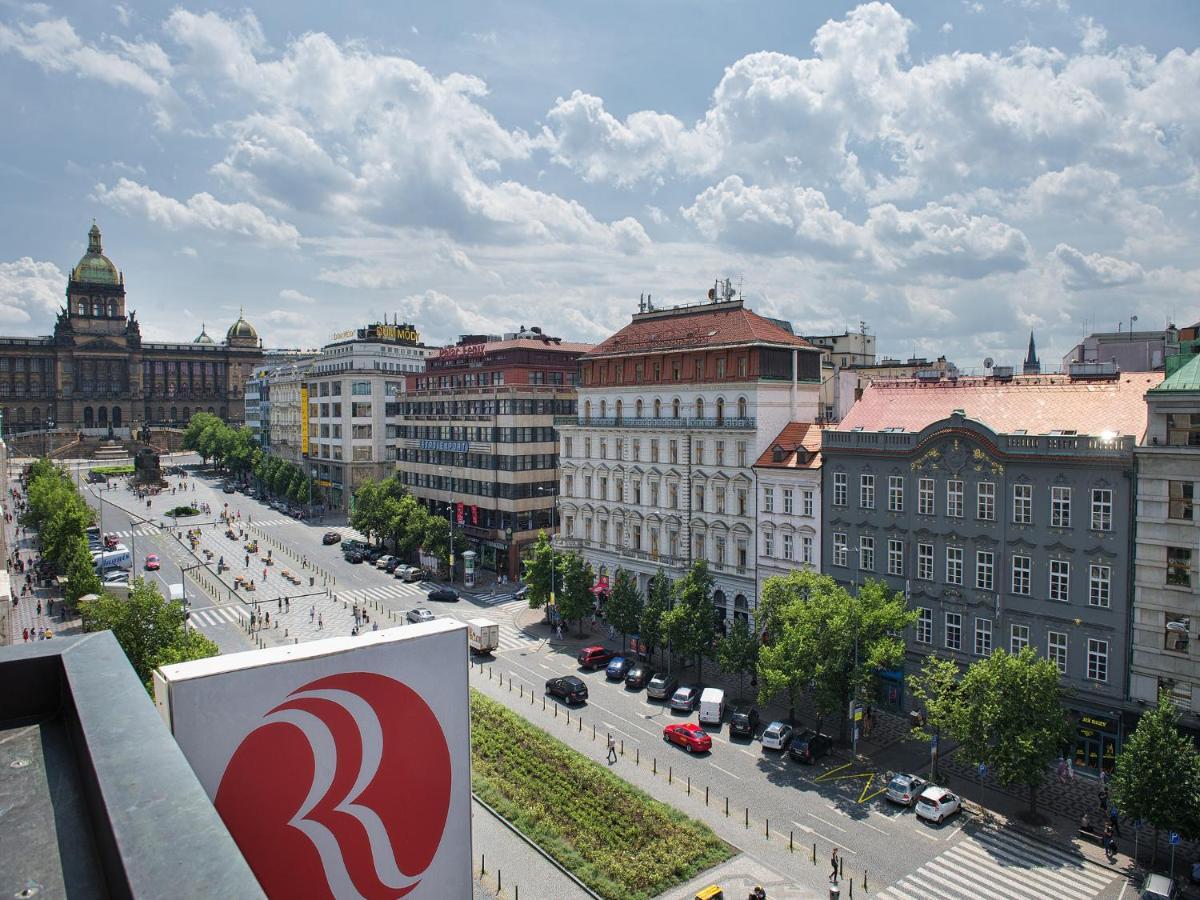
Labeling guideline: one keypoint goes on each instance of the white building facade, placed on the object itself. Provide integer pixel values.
(788, 473)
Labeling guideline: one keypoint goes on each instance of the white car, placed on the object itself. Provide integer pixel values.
(777, 736)
(937, 804)
(420, 614)
(382, 562)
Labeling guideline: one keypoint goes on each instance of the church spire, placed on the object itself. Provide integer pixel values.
(1032, 365)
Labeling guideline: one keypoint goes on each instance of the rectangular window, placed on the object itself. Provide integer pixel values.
(768, 543)
(1097, 660)
(567, 446)
(840, 480)
(1022, 574)
(1102, 501)
(787, 546)
(360, 388)
(895, 557)
(698, 455)
(1179, 566)
(719, 448)
(806, 549)
(925, 562)
(954, 498)
(985, 570)
(925, 497)
(673, 452)
(1179, 500)
(1018, 638)
(1056, 650)
(953, 631)
(954, 565)
(1099, 585)
(787, 501)
(895, 493)
(768, 500)
(1022, 504)
(983, 637)
(924, 625)
(1060, 580)
(808, 504)
(839, 548)
(985, 501)
(1183, 429)
(1060, 507)
(866, 491)
(866, 554)
(741, 453)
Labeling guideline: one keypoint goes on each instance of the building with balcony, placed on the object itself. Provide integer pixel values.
(477, 439)
(788, 473)
(674, 411)
(1131, 351)
(1166, 584)
(1003, 509)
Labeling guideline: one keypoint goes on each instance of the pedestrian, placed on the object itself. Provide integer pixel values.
(278, 603)
(833, 861)
(39, 607)
(1070, 768)
(1061, 769)
(374, 626)
(287, 605)
(612, 750)
(26, 633)
(312, 613)
(1102, 798)
(320, 623)
(1109, 843)
(267, 614)
(558, 631)
(1114, 819)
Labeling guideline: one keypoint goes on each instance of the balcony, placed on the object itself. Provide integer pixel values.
(1017, 444)
(728, 422)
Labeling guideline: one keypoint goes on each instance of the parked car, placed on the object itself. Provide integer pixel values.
(420, 614)
(712, 706)
(152, 563)
(374, 554)
(392, 565)
(809, 746)
(114, 576)
(618, 667)
(776, 736)
(414, 573)
(661, 686)
(743, 721)
(904, 788)
(1158, 887)
(594, 657)
(569, 688)
(688, 735)
(354, 557)
(685, 698)
(937, 804)
(443, 595)
(331, 537)
(637, 676)
(228, 488)
(381, 562)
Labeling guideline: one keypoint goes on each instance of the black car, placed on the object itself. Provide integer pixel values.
(744, 721)
(228, 488)
(374, 554)
(570, 688)
(809, 746)
(391, 566)
(638, 676)
(443, 594)
(354, 557)
(330, 537)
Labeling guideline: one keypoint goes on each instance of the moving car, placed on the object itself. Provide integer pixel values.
(443, 595)
(594, 657)
(570, 688)
(904, 788)
(152, 563)
(937, 804)
(618, 667)
(637, 676)
(685, 698)
(661, 686)
(228, 488)
(688, 735)
(809, 746)
(420, 614)
(743, 721)
(776, 736)
(330, 537)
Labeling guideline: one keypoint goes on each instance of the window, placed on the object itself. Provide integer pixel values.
(1097, 660)
(808, 504)
(1179, 566)
(768, 501)
(1183, 429)
(1099, 585)
(360, 388)
(895, 561)
(787, 546)
(866, 554)
(954, 498)
(983, 637)
(636, 450)
(839, 488)
(925, 562)
(787, 501)
(1022, 504)
(895, 493)
(985, 501)
(673, 452)
(866, 491)
(925, 497)
(1060, 580)
(1022, 574)
(360, 410)
(768, 543)
(1179, 500)
(698, 453)
(741, 501)
(1056, 650)
(954, 565)
(1060, 507)
(719, 448)
(654, 450)
(924, 625)
(567, 447)
(741, 453)
(720, 367)
(1018, 638)
(1102, 500)
(839, 548)
(985, 570)
(953, 631)
(1178, 628)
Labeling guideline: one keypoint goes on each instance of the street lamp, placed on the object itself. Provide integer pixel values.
(1132, 319)
(553, 492)
(853, 696)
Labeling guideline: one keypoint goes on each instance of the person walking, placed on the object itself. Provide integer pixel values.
(1102, 799)
(612, 750)
(1109, 843)
(320, 623)
(833, 861)
(1114, 819)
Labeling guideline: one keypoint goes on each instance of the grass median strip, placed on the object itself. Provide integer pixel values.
(616, 839)
(114, 470)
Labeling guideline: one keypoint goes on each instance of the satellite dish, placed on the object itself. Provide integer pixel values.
(987, 363)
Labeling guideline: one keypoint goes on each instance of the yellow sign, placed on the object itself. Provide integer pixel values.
(397, 333)
(304, 419)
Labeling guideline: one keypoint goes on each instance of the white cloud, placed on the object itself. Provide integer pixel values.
(291, 295)
(1092, 35)
(944, 240)
(30, 294)
(947, 27)
(1082, 271)
(200, 211)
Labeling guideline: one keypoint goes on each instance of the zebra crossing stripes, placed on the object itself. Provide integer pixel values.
(496, 598)
(400, 590)
(138, 531)
(1002, 865)
(217, 615)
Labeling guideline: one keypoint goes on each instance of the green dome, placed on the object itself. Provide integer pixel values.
(241, 332)
(95, 267)
(203, 337)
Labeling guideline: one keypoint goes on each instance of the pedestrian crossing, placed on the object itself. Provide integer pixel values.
(217, 615)
(407, 591)
(498, 598)
(136, 531)
(1002, 865)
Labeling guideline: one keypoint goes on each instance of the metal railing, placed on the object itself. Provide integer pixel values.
(746, 423)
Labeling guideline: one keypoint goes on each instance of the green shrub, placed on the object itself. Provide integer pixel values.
(114, 470)
(181, 511)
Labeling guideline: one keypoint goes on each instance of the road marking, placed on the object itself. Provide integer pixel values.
(859, 821)
(842, 848)
(953, 833)
(827, 822)
(726, 771)
(748, 753)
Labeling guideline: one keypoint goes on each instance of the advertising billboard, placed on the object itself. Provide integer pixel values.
(341, 767)
(304, 420)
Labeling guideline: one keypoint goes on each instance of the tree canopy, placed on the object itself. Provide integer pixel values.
(658, 602)
(690, 624)
(737, 651)
(624, 607)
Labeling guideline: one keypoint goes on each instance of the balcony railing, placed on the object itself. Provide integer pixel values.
(1021, 444)
(745, 423)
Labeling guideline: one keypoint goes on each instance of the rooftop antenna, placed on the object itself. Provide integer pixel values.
(739, 291)
(642, 302)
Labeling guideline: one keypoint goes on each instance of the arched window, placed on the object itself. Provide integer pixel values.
(638, 408)
(587, 410)
(657, 408)
(37, 417)
(21, 415)
(675, 408)
(618, 410)
(742, 408)
(174, 413)
(604, 409)
(162, 414)
(112, 309)
(719, 599)
(116, 417)
(102, 416)
(699, 407)
(87, 417)
(96, 309)
(82, 308)
(720, 410)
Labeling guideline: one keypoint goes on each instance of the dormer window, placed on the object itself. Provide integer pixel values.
(777, 454)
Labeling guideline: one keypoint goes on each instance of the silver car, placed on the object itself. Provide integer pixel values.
(777, 736)
(904, 788)
(685, 698)
(420, 614)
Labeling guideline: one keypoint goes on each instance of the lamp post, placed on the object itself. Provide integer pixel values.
(46, 438)
(553, 492)
(1132, 319)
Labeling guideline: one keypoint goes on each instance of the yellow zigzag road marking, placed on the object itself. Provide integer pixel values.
(867, 777)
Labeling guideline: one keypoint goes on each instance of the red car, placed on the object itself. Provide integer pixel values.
(688, 735)
(152, 563)
(594, 657)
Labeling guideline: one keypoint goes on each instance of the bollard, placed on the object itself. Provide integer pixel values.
(593, 731)
(727, 807)
(841, 867)
(670, 774)
(579, 719)
(655, 772)
(791, 845)
(499, 882)
(622, 746)
(522, 691)
(568, 715)
(851, 889)
(864, 879)
(483, 864)
(768, 831)
(706, 795)
(747, 817)
(637, 761)
(814, 853)
(543, 695)
(689, 785)
(556, 710)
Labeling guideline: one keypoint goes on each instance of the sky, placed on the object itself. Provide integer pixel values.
(952, 174)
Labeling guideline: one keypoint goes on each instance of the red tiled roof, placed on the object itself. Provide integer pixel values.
(795, 434)
(1038, 404)
(704, 325)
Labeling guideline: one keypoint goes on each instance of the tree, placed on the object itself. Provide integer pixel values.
(575, 599)
(192, 645)
(540, 576)
(1157, 777)
(737, 651)
(690, 624)
(658, 602)
(1008, 714)
(195, 427)
(624, 607)
(367, 516)
(936, 687)
(80, 571)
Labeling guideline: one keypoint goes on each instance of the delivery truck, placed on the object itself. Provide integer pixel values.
(483, 635)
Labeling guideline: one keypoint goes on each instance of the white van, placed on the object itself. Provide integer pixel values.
(113, 559)
(712, 706)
